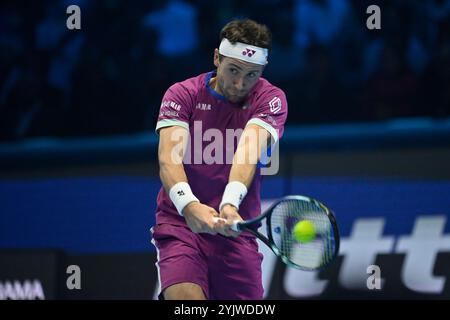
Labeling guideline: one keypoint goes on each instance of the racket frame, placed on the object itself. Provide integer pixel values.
(246, 225)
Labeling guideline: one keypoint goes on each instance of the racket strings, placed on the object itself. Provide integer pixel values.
(308, 255)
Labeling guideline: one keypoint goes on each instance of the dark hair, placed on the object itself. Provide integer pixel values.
(247, 31)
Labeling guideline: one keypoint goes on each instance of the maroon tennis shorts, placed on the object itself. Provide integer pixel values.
(225, 268)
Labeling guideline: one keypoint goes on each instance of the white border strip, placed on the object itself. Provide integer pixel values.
(169, 123)
(265, 125)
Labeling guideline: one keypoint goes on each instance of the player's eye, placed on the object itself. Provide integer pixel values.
(233, 71)
(251, 75)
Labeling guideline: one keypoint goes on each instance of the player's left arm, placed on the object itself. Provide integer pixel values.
(254, 140)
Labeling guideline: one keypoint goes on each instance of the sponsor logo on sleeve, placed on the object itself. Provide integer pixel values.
(275, 104)
(171, 104)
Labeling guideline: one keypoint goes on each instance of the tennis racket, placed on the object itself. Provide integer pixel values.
(281, 218)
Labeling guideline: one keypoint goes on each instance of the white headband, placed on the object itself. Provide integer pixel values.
(244, 52)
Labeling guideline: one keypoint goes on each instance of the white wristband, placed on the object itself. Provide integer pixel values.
(181, 195)
(234, 193)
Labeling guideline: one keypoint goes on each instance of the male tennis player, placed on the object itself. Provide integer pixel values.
(200, 257)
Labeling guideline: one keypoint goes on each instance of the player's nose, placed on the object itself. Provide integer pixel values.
(239, 84)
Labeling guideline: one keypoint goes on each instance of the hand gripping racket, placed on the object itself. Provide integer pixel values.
(281, 220)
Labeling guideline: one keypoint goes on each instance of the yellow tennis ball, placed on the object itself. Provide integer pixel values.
(304, 231)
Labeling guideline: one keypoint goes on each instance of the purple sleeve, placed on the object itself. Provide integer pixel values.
(176, 107)
(271, 112)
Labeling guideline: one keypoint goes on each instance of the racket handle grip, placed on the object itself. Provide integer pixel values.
(235, 226)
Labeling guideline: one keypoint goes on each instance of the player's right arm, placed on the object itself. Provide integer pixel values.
(172, 146)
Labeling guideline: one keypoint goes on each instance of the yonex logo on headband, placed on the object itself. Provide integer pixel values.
(248, 52)
(244, 51)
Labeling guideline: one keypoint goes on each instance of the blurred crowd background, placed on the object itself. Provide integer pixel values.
(109, 77)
